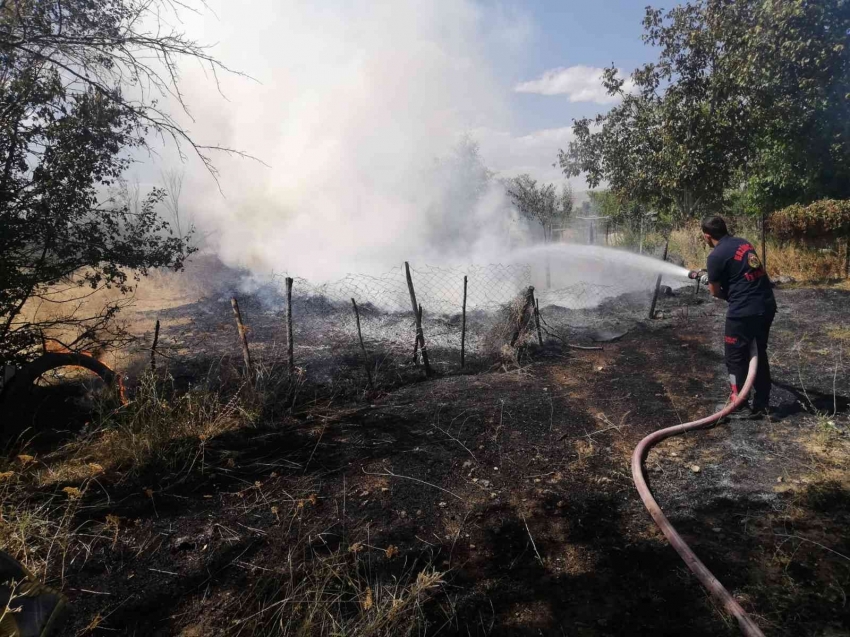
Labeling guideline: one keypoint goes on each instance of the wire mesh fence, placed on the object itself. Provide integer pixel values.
(326, 337)
(440, 289)
(641, 234)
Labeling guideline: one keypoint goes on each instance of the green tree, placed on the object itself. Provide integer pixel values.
(540, 203)
(750, 92)
(671, 143)
(460, 180)
(605, 203)
(794, 62)
(74, 76)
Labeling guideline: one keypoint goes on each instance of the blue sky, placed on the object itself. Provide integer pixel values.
(570, 33)
(547, 58)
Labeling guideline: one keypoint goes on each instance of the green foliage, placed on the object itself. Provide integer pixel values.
(65, 129)
(750, 92)
(541, 203)
(797, 74)
(667, 144)
(824, 218)
(604, 203)
(461, 178)
(623, 212)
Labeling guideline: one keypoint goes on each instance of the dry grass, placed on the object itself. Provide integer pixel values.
(65, 310)
(40, 531)
(157, 430)
(839, 333)
(166, 430)
(334, 595)
(514, 319)
(804, 264)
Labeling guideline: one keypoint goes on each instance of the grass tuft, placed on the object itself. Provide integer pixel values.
(334, 595)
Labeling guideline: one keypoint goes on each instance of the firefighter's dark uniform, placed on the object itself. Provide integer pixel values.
(31, 608)
(744, 283)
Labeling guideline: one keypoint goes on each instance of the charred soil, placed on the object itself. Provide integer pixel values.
(512, 485)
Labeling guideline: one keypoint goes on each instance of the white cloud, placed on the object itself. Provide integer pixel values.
(535, 153)
(578, 83)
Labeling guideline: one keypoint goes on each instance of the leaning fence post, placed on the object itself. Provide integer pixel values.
(289, 345)
(362, 346)
(153, 346)
(537, 321)
(463, 327)
(658, 282)
(243, 337)
(420, 335)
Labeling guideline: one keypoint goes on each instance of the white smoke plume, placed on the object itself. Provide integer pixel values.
(360, 113)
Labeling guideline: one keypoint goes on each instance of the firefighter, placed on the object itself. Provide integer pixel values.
(735, 273)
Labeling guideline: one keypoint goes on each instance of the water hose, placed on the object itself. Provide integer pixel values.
(711, 583)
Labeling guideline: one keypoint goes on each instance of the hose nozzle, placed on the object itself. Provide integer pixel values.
(699, 275)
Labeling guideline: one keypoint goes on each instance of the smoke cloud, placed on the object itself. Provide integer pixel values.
(359, 113)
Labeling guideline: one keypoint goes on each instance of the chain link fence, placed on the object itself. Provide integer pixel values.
(325, 331)
(327, 341)
(326, 337)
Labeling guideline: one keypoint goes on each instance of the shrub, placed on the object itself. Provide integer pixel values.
(805, 263)
(824, 218)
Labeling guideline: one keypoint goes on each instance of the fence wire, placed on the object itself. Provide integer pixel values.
(326, 341)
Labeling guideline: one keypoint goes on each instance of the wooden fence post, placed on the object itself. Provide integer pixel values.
(243, 337)
(658, 283)
(362, 346)
(416, 339)
(537, 321)
(763, 244)
(289, 344)
(847, 255)
(463, 327)
(417, 312)
(640, 248)
(153, 346)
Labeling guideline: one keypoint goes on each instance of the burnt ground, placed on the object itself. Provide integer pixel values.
(515, 484)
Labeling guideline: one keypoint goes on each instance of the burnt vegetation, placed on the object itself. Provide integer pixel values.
(320, 460)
